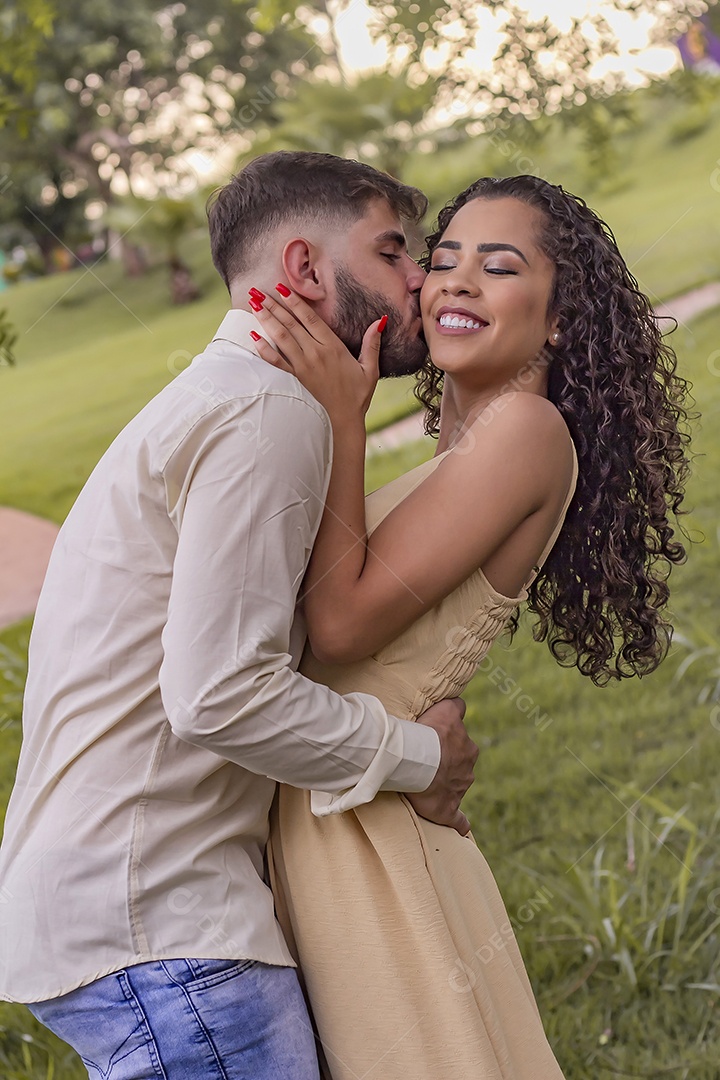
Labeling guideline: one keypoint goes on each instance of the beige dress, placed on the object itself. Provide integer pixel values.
(407, 953)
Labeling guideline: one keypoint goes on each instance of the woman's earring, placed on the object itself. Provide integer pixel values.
(554, 338)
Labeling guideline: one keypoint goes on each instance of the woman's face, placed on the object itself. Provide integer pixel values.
(485, 300)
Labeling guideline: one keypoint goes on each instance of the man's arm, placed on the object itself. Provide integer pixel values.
(252, 486)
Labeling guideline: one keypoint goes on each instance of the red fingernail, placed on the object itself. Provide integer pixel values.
(254, 336)
(282, 289)
(257, 294)
(382, 324)
(255, 304)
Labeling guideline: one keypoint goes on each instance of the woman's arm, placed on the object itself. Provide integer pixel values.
(344, 386)
(514, 462)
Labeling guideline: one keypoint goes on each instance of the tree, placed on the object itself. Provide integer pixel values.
(124, 95)
(124, 90)
(163, 222)
(537, 70)
(377, 118)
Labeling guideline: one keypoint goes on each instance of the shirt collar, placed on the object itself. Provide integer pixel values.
(236, 327)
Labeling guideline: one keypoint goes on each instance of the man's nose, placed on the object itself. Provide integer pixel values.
(415, 276)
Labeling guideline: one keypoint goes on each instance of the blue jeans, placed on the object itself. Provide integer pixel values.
(188, 1020)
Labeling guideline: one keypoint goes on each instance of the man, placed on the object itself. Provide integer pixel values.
(163, 701)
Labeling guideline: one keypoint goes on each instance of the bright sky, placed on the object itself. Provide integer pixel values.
(636, 55)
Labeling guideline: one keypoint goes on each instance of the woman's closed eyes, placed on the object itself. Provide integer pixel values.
(488, 269)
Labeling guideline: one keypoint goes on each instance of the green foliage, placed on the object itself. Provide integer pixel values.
(101, 101)
(603, 123)
(608, 808)
(646, 921)
(668, 231)
(162, 223)
(28, 1051)
(24, 29)
(700, 94)
(127, 344)
(374, 118)
(13, 672)
(8, 337)
(537, 71)
(606, 811)
(126, 92)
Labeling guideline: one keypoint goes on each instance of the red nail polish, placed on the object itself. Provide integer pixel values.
(382, 324)
(255, 304)
(282, 289)
(257, 294)
(254, 336)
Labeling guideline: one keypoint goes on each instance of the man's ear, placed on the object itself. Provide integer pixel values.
(304, 269)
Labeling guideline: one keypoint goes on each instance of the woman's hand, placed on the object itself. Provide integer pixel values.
(308, 349)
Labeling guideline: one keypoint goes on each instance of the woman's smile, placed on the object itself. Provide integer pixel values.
(452, 321)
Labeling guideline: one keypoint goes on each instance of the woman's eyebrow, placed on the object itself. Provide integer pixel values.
(455, 245)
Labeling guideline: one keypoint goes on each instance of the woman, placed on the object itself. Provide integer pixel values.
(560, 455)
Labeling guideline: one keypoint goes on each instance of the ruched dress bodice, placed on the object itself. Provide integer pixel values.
(437, 656)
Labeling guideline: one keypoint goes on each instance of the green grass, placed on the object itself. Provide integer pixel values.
(82, 308)
(623, 960)
(81, 376)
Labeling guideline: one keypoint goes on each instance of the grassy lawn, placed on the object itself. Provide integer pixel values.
(596, 808)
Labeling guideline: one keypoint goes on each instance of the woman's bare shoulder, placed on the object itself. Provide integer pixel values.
(524, 426)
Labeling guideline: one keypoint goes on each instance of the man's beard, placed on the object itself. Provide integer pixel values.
(402, 353)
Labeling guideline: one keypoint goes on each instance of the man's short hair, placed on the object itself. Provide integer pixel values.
(296, 186)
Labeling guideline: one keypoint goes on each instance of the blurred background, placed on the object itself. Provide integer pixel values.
(596, 808)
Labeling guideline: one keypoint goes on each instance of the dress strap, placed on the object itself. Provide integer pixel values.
(561, 518)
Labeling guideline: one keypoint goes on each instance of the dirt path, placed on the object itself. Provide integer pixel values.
(692, 303)
(26, 541)
(25, 545)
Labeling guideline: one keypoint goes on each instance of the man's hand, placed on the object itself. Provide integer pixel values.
(458, 753)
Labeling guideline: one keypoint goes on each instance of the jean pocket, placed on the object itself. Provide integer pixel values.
(203, 972)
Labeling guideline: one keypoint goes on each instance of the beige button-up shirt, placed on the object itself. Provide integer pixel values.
(163, 700)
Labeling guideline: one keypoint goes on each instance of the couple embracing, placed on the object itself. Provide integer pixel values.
(235, 846)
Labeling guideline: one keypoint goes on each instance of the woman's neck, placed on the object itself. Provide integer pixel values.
(461, 405)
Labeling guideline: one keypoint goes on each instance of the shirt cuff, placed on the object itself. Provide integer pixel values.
(406, 760)
(421, 758)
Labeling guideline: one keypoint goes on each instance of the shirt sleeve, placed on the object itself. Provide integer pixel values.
(249, 490)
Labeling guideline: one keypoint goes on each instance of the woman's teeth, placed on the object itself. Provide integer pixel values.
(457, 322)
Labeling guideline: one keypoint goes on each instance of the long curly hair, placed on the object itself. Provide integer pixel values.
(600, 594)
